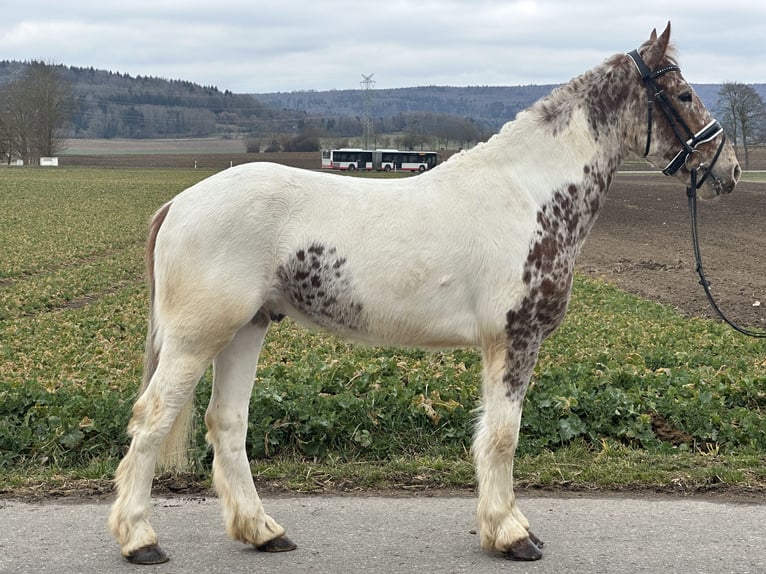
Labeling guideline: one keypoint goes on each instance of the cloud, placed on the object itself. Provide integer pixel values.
(247, 46)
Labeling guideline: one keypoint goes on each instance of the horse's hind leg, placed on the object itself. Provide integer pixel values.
(502, 525)
(226, 419)
(171, 385)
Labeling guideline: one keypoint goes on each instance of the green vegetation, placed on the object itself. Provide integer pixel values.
(754, 176)
(627, 392)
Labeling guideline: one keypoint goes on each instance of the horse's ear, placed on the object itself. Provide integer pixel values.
(657, 47)
(665, 38)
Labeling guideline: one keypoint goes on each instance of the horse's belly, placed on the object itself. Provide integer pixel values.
(391, 330)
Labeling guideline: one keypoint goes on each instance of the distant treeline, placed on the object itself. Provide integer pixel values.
(489, 106)
(105, 104)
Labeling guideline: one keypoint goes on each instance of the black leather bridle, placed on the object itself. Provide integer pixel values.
(688, 139)
(689, 142)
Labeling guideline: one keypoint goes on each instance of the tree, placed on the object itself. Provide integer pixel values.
(133, 119)
(305, 140)
(743, 115)
(412, 139)
(6, 143)
(34, 107)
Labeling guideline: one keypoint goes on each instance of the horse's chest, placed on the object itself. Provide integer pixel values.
(548, 271)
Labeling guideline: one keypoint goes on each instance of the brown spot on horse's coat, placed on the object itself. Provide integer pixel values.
(318, 283)
(562, 223)
(316, 249)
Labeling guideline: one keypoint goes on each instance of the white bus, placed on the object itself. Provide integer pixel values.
(380, 159)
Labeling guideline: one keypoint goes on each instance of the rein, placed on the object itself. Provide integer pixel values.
(688, 149)
(691, 194)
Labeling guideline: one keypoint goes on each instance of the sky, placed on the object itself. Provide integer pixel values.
(256, 46)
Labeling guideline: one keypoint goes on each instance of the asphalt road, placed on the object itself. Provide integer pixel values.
(398, 535)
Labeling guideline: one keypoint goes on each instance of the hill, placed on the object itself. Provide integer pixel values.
(491, 105)
(109, 104)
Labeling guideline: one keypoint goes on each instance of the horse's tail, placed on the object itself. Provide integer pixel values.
(174, 452)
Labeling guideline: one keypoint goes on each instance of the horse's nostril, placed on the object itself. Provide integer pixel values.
(736, 173)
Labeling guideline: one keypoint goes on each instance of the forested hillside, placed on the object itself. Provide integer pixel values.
(105, 104)
(490, 105)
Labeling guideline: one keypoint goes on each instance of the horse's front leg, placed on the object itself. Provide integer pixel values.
(502, 526)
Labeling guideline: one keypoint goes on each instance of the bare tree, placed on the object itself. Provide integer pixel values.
(743, 114)
(34, 108)
(6, 138)
(16, 119)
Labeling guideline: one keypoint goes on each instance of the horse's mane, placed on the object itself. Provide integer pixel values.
(556, 108)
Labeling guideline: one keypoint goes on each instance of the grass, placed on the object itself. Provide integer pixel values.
(577, 466)
(627, 394)
(754, 176)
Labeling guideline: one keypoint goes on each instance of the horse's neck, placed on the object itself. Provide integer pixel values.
(564, 170)
(571, 144)
(562, 154)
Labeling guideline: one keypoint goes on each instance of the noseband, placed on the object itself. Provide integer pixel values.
(688, 140)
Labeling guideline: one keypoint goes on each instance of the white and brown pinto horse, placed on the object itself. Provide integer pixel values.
(479, 251)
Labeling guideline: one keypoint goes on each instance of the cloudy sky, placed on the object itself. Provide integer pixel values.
(251, 46)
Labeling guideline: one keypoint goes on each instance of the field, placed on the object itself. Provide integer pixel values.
(642, 242)
(658, 397)
(146, 147)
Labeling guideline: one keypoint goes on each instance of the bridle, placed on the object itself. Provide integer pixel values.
(688, 140)
(689, 145)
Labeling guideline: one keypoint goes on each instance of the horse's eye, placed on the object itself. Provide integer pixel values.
(685, 96)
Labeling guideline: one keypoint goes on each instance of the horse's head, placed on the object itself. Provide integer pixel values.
(682, 138)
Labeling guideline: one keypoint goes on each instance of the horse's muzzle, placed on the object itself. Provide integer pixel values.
(724, 185)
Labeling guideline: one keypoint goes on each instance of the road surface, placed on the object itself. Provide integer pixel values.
(377, 534)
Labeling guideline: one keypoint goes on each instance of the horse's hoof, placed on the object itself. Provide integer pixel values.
(535, 540)
(281, 544)
(523, 550)
(151, 554)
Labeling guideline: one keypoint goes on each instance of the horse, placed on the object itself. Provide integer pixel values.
(479, 251)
